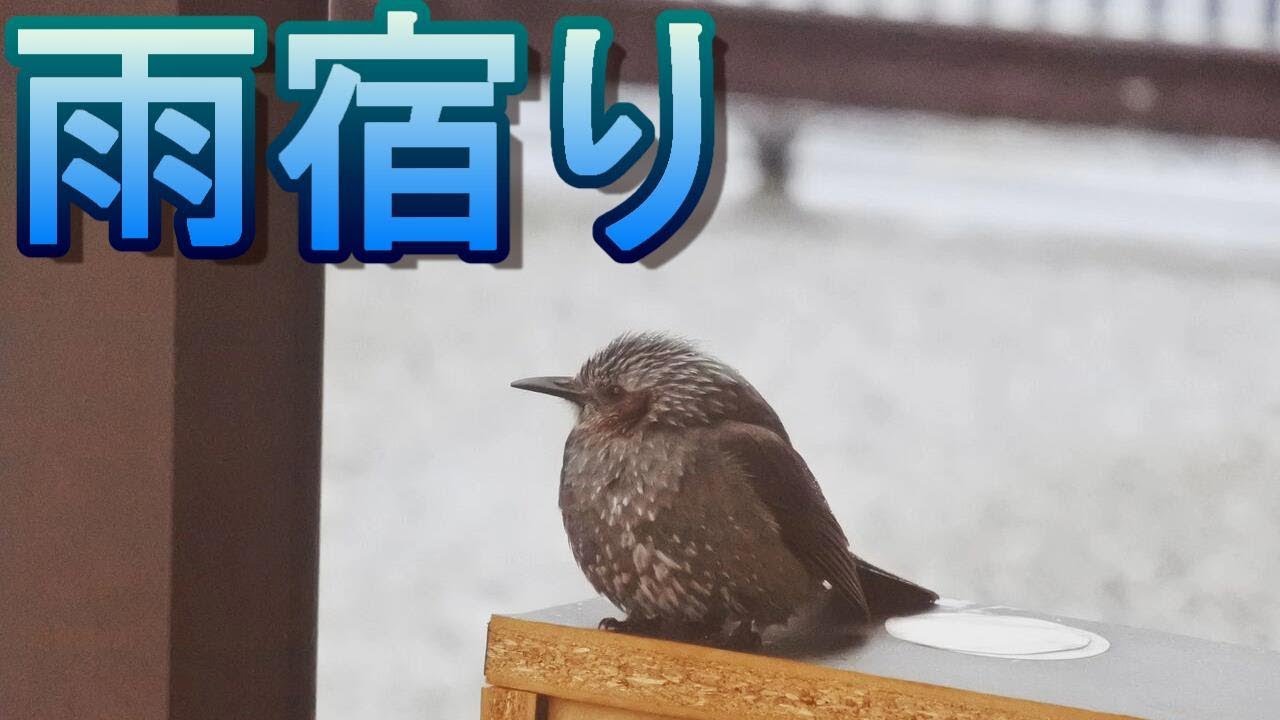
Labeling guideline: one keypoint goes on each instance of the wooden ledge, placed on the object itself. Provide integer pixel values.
(560, 669)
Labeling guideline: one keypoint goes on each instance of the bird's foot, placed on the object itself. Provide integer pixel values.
(631, 626)
(744, 638)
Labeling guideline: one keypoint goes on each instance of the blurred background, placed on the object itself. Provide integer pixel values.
(1012, 282)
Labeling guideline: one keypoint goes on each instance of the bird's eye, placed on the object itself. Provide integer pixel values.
(613, 391)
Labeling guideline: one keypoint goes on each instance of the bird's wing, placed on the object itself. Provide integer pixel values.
(782, 481)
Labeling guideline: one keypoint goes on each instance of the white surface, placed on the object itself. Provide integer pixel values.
(1011, 637)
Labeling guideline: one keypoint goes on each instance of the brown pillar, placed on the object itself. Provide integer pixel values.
(159, 458)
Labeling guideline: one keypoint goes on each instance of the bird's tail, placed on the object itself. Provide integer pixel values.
(889, 595)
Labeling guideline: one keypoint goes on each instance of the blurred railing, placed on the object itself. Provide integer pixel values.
(1043, 72)
(1233, 23)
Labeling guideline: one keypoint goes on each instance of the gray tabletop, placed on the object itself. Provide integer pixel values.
(1144, 674)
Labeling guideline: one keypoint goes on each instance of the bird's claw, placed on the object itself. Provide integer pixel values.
(744, 638)
(629, 626)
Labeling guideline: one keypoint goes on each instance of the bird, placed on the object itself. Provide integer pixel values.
(687, 507)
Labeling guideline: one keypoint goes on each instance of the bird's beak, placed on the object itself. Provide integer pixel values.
(562, 387)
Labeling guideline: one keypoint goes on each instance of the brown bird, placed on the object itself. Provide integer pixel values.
(687, 507)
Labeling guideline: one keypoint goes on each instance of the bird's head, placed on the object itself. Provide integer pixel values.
(647, 379)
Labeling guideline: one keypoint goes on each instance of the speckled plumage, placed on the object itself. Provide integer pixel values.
(636, 509)
(684, 501)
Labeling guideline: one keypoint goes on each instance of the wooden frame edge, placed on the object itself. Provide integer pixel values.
(698, 683)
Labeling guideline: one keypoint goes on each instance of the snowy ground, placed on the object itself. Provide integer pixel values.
(1030, 367)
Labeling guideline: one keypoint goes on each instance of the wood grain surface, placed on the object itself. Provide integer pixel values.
(498, 703)
(558, 709)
